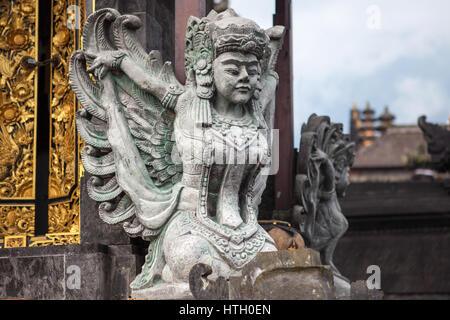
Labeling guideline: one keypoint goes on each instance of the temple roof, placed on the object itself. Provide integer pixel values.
(391, 150)
(387, 116)
(368, 110)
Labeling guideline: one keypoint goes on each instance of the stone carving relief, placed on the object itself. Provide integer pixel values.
(179, 165)
(17, 99)
(324, 160)
(19, 121)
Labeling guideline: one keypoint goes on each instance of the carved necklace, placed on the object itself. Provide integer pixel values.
(236, 131)
(245, 120)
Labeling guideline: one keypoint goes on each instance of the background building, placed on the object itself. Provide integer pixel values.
(398, 208)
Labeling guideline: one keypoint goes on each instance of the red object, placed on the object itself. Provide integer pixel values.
(183, 10)
(284, 180)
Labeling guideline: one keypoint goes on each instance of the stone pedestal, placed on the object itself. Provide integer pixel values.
(284, 275)
(280, 275)
(178, 291)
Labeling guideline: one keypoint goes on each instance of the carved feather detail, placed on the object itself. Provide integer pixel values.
(133, 228)
(91, 133)
(150, 124)
(124, 29)
(103, 192)
(124, 210)
(87, 92)
(99, 166)
(95, 31)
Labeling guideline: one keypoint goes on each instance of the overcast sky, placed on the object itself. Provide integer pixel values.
(394, 53)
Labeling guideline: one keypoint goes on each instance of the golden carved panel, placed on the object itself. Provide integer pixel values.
(15, 220)
(18, 38)
(64, 161)
(55, 239)
(65, 216)
(15, 241)
(63, 138)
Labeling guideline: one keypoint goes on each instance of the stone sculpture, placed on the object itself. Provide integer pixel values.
(323, 164)
(438, 141)
(179, 165)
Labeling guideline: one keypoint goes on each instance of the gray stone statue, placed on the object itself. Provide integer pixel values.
(323, 164)
(182, 166)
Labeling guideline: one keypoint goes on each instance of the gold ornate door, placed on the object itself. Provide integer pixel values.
(40, 166)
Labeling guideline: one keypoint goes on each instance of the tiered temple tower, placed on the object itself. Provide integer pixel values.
(365, 127)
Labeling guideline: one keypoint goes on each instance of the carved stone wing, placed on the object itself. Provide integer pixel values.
(147, 122)
(324, 154)
(307, 180)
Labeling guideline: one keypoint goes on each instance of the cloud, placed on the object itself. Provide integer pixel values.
(332, 37)
(339, 60)
(260, 11)
(417, 96)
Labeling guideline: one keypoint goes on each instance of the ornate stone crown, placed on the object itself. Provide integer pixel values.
(244, 37)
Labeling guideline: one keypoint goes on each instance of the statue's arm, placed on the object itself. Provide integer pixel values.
(269, 80)
(327, 171)
(166, 93)
(269, 86)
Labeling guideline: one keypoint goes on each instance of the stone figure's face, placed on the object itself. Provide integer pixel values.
(236, 76)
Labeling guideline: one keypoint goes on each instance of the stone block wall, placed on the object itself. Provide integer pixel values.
(73, 272)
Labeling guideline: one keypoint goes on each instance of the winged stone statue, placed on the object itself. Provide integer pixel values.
(179, 165)
(323, 164)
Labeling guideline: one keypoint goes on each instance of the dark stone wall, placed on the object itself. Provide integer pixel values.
(373, 199)
(21, 277)
(45, 272)
(404, 228)
(158, 22)
(413, 264)
(93, 229)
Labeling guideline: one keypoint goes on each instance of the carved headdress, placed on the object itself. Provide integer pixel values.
(209, 37)
(238, 34)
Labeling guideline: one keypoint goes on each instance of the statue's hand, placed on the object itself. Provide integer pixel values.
(319, 156)
(326, 168)
(105, 61)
